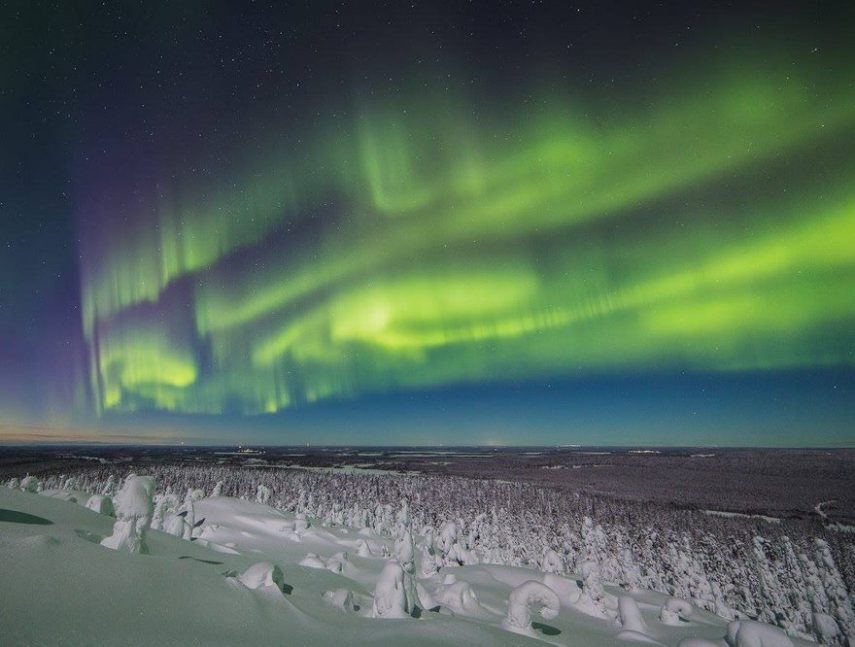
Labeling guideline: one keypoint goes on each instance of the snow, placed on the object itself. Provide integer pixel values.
(30, 484)
(313, 561)
(239, 581)
(458, 597)
(101, 504)
(747, 633)
(817, 508)
(390, 596)
(261, 575)
(356, 469)
(826, 627)
(675, 611)
(630, 615)
(552, 562)
(742, 515)
(134, 508)
(522, 598)
(568, 590)
(135, 498)
(341, 599)
(840, 527)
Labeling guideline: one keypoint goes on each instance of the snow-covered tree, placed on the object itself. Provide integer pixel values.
(133, 511)
(629, 615)
(390, 596)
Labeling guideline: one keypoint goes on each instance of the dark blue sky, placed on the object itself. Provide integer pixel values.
(650, 410)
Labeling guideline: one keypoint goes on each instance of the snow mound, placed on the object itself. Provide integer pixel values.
(312, 560)
(261, 575)
(674, 611)
(101, 504)
(638, 637)
(341, 599)
(458, 597)
(566, 589)
(748, 633)
(526, 595)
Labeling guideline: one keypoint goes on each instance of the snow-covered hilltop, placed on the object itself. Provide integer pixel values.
(319, 558)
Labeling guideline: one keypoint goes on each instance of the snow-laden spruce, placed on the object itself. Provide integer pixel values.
(629, 615)
(552, 562)
(134, 508)
(30, 484)
(390, 596)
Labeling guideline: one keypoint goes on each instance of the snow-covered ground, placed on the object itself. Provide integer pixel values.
(254, 575)
(724, 513)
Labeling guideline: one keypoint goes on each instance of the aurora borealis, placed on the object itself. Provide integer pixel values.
(462, 219)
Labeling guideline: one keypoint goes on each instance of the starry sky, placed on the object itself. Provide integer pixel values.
(435, 223)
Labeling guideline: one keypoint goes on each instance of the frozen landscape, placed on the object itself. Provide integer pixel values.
(427, 323)
(172, 548)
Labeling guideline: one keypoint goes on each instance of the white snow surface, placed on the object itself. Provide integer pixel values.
(240, 582)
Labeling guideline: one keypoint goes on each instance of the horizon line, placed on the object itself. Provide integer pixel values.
(185, 444)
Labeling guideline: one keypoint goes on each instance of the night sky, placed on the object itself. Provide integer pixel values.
(435, 223)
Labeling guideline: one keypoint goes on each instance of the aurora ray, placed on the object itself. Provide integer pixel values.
(415, 247)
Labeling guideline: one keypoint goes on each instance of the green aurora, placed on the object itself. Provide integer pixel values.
(423, 243)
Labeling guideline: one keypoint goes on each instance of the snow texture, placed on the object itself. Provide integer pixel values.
(520, 602)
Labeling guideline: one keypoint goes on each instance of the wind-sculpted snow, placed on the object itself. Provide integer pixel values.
(746, 633)
(601, 558)
(526, 595)
(262, 574)
(101, 504)
(675, 611)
